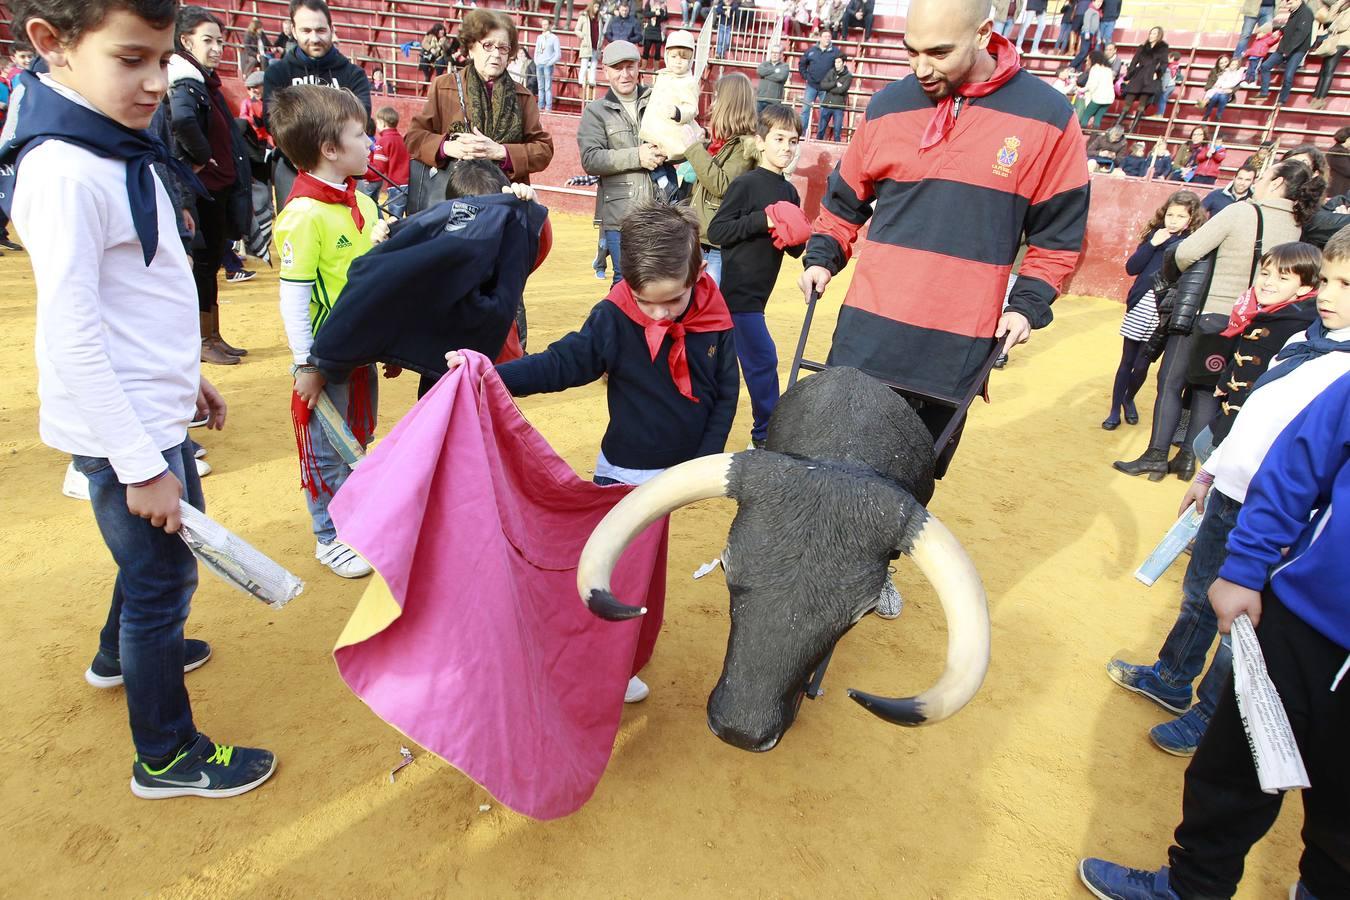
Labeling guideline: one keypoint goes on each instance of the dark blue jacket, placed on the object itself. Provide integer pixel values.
(1110, 10)
(651, 425)
(1306, 470)
(450, 277)
(1143, 263)
(815, 63)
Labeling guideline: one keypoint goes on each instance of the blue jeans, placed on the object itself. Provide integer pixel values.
(1290, 64)
(723, 40)
(156, 577)
(1005, 27)
(830, 115)
(1162, 100)
(1027, 18)
(545, 75)
(713, 257)
(691, 13)
(1183, 653)
(1107, 31)
(331, 465)
(810, 97)
(1216, 104)
(1249, 24)
(1062, 38)
(397, 200)
(759, 364)
(611, 239)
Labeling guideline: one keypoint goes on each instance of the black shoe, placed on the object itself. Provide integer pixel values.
(105, 672)
(1110, 423)
(10, 245)
(1183, 465)
(1131, 414)
(1153, 464)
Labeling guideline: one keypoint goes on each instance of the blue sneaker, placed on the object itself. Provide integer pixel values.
(1181, 736)
(204, 769)
(1144, 680)
(106, 671)
(1113, 882)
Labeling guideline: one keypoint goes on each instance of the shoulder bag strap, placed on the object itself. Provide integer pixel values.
(1256, 251)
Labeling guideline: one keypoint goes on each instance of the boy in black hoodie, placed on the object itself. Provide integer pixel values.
(759, 219)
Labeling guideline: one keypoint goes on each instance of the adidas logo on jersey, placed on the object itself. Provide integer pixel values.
(343, 243)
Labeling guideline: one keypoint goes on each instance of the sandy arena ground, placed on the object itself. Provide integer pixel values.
(1050, 762)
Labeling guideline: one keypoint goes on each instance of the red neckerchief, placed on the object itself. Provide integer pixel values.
(1245, 308)
(306, 185)
(707, 312)
(1006, 65)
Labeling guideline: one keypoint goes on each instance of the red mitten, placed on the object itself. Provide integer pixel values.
(790, 228)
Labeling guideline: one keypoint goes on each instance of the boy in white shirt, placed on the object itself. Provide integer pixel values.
(118, 352)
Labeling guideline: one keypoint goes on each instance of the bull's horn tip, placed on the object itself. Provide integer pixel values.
(907, 711)
(604, 604)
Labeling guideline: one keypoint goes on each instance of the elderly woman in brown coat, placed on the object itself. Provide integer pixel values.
(479, 112)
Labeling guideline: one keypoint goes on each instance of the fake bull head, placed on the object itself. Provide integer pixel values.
(837, 495)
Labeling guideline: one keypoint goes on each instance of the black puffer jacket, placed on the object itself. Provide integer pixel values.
(190, 116)
(1189, 290)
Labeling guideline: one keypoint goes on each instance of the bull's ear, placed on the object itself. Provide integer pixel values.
(949, 569)
(698, 479)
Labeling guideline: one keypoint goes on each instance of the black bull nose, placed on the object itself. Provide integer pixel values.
(743, 739)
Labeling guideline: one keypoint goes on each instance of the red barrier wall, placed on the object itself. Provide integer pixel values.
(1120, 206)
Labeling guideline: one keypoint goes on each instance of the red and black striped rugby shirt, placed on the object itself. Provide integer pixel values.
(946, 226)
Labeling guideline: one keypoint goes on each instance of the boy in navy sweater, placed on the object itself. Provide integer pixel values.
(760, 218)
(663, 337)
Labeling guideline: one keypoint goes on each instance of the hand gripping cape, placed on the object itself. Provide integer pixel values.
(450, 277)
(471, 639)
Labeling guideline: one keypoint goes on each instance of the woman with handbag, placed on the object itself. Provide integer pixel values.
(1283, 199)
(480, 111)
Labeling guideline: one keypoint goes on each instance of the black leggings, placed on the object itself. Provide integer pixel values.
(652, 49)
(1171, 397)
(1130, 374)
(1128, 102)
(211, 228)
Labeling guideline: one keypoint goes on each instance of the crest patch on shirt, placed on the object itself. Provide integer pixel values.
(287, 254)
(1007, 156)
(461, 214)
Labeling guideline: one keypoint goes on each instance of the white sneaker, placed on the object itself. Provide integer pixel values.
(75, 486)
(636, 691)
(890, 603)
(198, 450)
(203, 468)
(343, 560)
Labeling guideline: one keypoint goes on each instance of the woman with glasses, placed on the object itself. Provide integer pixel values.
(480, 112)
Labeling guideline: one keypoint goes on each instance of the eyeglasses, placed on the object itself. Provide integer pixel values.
(490, 47)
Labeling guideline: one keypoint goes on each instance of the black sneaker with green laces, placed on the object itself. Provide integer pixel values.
(106, 671)
(204, 769)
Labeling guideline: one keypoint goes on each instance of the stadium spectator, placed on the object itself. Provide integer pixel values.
(1334, 44)
(1143, 78)
(815, 64)
(1006, 14)
(253, 49)
(1293, 46)
(547, 53)
(860, 14)
(1099, 91)
(1110, 13)
(773, 75)
(1255, 13)
(623, 26)
(1104, 151)
(1222, 83)
(1338, 159)
(1236, 191)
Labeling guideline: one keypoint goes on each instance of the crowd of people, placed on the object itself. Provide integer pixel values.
(1242, 296)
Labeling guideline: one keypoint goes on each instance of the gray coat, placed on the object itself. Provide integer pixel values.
(608, 140)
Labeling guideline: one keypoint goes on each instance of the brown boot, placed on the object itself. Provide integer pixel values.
(211, 352)
(220, 341)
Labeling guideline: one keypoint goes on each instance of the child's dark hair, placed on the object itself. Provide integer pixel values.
(1296, 258)
(1314, 153)
(189, 19)
(1097, 58)
(660, 241)
(72, 18)
(475, 178)
(315, 5)
(1188, 200)
(776, 115)
(1303, 187)
(387, 116)
(1339, 137)
(304, 117)
(1338, 248)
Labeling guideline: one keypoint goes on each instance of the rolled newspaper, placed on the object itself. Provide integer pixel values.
(1177, 538)
(237, 561)
(1279, 767)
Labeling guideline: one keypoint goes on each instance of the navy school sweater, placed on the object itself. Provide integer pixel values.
(651, 425)
(750, 262)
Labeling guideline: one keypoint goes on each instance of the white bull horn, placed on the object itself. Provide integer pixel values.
(945, 564)
(689, 482)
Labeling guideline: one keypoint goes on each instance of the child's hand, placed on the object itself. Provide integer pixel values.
(211, 404)
(1232, 600)
(1159, 237)
(453, 360)
(522, 191)
(380, 234)
(308, 385)
(157, 501)
(392, 371)
(1195, 494)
